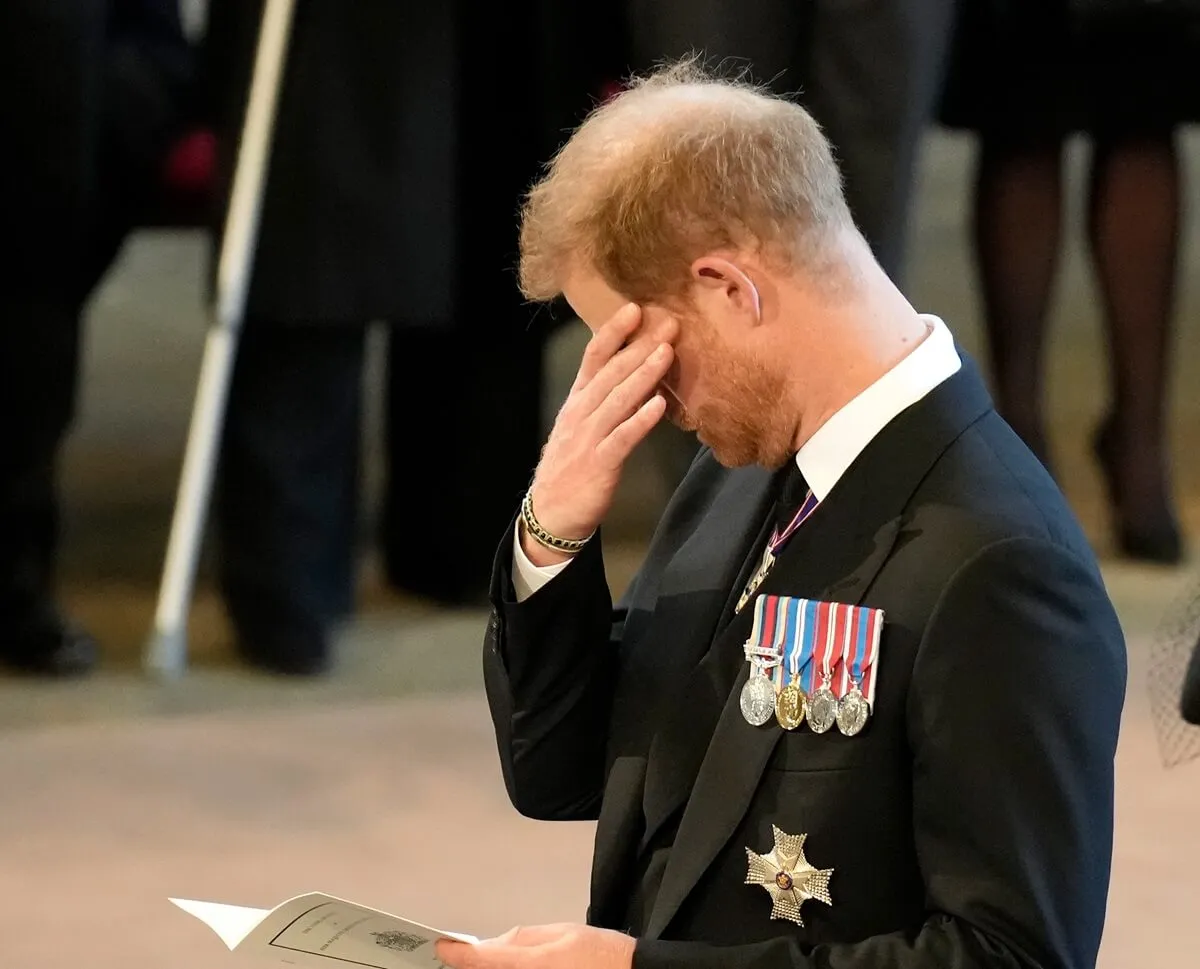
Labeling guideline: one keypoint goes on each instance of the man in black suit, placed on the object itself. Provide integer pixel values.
(91, 94)
(969, 821)
(386, 201)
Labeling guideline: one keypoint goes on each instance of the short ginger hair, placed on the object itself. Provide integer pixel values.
(680, 163)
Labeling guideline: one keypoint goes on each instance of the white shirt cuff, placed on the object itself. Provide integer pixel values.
(527, 577)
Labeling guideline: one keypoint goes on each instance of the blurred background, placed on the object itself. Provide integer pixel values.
(330, 732)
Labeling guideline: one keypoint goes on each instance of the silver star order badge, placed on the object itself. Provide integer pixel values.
(785, 874)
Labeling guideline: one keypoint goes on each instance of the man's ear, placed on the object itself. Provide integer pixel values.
(718, 281)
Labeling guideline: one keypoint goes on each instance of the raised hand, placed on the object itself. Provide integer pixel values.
(612, 406)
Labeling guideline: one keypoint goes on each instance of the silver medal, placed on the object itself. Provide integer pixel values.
(853, 712)
(758, 698)
(822, 709)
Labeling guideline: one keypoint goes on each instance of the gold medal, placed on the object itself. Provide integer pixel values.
(791, 706)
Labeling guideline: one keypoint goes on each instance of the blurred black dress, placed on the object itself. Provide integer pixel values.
(1025, 74)
(1047, 68)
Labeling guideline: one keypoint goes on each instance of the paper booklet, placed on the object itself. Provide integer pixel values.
(323, 932)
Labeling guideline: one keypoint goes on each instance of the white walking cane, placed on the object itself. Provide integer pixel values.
(166, 651)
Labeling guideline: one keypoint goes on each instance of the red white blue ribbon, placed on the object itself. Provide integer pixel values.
(816, 644)
(859, 659)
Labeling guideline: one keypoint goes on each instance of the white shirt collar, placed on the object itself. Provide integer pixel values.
(841, 439)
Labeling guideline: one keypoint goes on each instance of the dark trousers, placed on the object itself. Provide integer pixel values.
(90, 96)
(869, 70)
(51, 69)
(287, 486)
(40, 335)
(462, 437)
(39, 357)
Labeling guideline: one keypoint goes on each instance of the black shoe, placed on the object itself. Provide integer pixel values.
(286, 651)
(1151, 534)
(47, 644)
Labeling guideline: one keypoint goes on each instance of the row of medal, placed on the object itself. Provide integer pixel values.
(811, 662)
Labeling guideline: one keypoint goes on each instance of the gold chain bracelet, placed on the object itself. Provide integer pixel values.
(544, 538)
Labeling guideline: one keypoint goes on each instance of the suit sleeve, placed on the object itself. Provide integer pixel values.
(549, 667)
(1013, 718)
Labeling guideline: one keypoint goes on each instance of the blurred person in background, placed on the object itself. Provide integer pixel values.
(389, 198)
(1190, 702)
(1025, 75)
(92, 94)
(869, 72)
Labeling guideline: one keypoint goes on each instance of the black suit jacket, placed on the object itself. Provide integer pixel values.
(407, 132)
(52, 59)
(970, 825)
(91, 94)
(357, 212)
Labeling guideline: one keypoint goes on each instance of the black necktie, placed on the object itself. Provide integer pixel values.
(793, 490)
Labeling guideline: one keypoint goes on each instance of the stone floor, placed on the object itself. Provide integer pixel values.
(385, 802)
(240, 788)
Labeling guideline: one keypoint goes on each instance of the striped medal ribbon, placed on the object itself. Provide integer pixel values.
(774, 544)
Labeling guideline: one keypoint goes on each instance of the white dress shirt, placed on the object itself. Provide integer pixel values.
(826, 455)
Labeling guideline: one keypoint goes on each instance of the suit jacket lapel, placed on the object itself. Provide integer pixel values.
(617, 830)
(668, 783)
(691, 602)
(847, 540)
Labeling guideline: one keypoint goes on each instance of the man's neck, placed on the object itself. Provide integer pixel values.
(850, 347)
